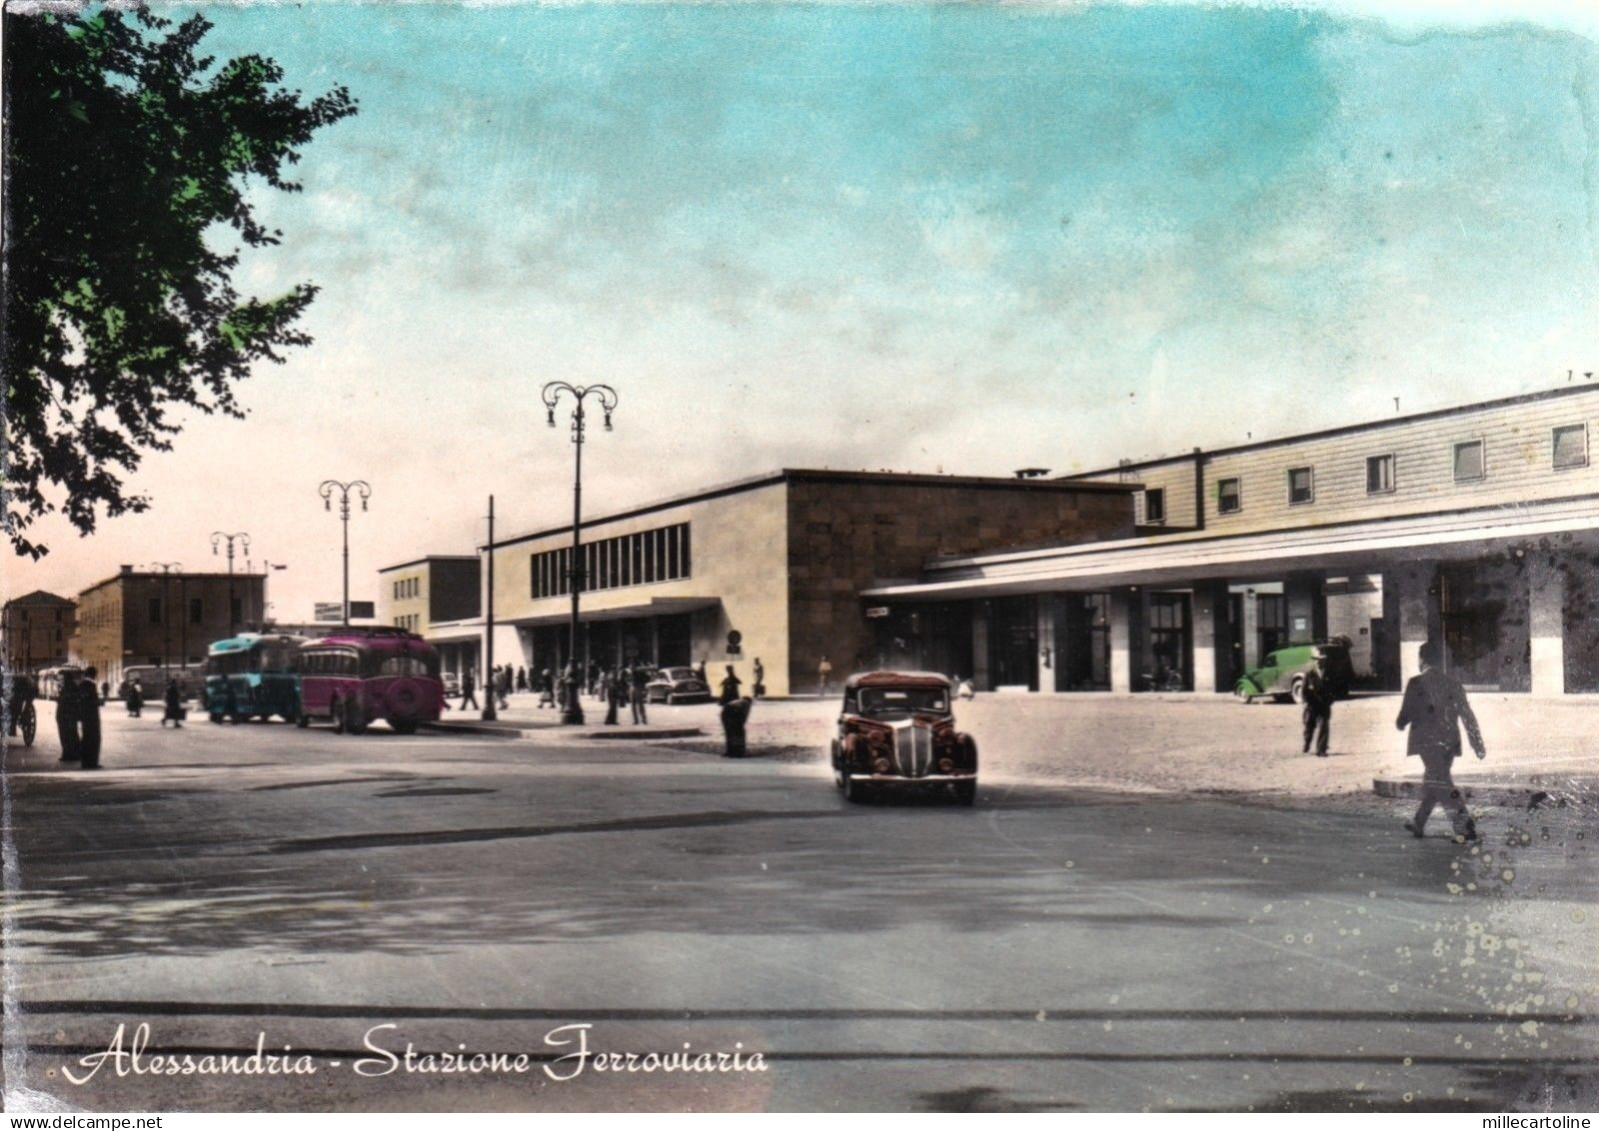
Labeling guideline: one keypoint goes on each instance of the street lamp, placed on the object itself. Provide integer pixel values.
(166, 569)
(364, 490)
(217, 539)
(607, 398)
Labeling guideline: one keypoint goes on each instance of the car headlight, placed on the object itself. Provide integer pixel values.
(881, 766)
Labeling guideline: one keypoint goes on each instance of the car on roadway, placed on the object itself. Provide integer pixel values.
(452, 685)
(897, 730)
(1282, 674)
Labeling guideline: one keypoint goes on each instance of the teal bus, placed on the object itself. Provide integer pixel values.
(252, 676)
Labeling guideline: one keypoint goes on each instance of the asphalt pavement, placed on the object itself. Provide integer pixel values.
(1059, 946)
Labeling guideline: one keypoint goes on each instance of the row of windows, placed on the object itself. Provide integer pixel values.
(196, 610)
(411, 622)
(407, 587)
(1569, 449)
(649, 556)
(24, 613)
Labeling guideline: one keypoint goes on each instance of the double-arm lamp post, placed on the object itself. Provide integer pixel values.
(364, 490)
(217, 538)
(606, 396)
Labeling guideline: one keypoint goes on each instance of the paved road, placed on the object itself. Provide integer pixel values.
(1050, 948)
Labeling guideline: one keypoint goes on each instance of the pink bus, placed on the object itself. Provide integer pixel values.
(356, 676)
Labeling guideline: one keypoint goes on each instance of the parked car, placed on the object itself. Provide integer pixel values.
(897, 729)
(452, 685)
(1282, 674)
(673, 685)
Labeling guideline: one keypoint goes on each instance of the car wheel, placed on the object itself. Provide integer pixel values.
(966, 792)
(1297, 691)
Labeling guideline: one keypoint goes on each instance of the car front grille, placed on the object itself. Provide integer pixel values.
(913, 749)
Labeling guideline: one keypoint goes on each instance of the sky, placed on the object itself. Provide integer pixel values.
(916, 237)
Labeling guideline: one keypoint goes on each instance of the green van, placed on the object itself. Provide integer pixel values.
(1282, 675)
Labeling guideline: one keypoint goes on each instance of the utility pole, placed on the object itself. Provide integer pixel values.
(486, 676)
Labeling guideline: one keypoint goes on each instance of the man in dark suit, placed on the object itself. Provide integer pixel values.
(89, 720)
(1434, 709)
(1318, 695)
(67, 715)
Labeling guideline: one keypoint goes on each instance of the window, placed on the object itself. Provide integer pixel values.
(649, 556)
(1571, 446)
(1155, 505)
(1469, 461)
(1229, 499)
(1379, 474)
(1301, 486)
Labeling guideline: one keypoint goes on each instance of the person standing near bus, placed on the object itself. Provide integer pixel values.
(67, 714)
(88, 695)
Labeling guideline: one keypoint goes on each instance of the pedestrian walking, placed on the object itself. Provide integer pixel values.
(133, 697)
(105, 691)
(824, 673)
(68, 714)
(615, 694)
(1434, 709)
(1317, 713)
(730, 685)
(637, 694)
(759, 676)
(502, 685)
(468, 688)
(546, 689)
(174, 705)
(89, 722)
(521, 678)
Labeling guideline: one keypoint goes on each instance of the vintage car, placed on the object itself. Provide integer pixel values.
(673, 685)
(897, 729)
(1282, 675)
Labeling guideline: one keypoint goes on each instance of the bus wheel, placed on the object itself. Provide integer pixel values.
(302, 720)
(337, 708)
(216, 719)
(354, 721)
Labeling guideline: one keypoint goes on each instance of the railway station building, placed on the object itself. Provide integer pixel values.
(1476, 525)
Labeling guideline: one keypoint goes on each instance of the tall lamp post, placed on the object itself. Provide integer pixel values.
(217, 538)
(364, 490)
(166, 569)
(606, 396)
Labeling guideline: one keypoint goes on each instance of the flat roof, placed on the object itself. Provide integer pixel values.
(824, 475)
(1341, 430)
(429, 558)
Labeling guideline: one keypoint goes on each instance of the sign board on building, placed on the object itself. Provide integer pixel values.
(332, 612)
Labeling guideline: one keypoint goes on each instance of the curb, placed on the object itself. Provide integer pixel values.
(495, 730)
(1529, 794)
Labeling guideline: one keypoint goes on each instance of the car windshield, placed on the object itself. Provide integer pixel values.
(885, 702)
(678, 675)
